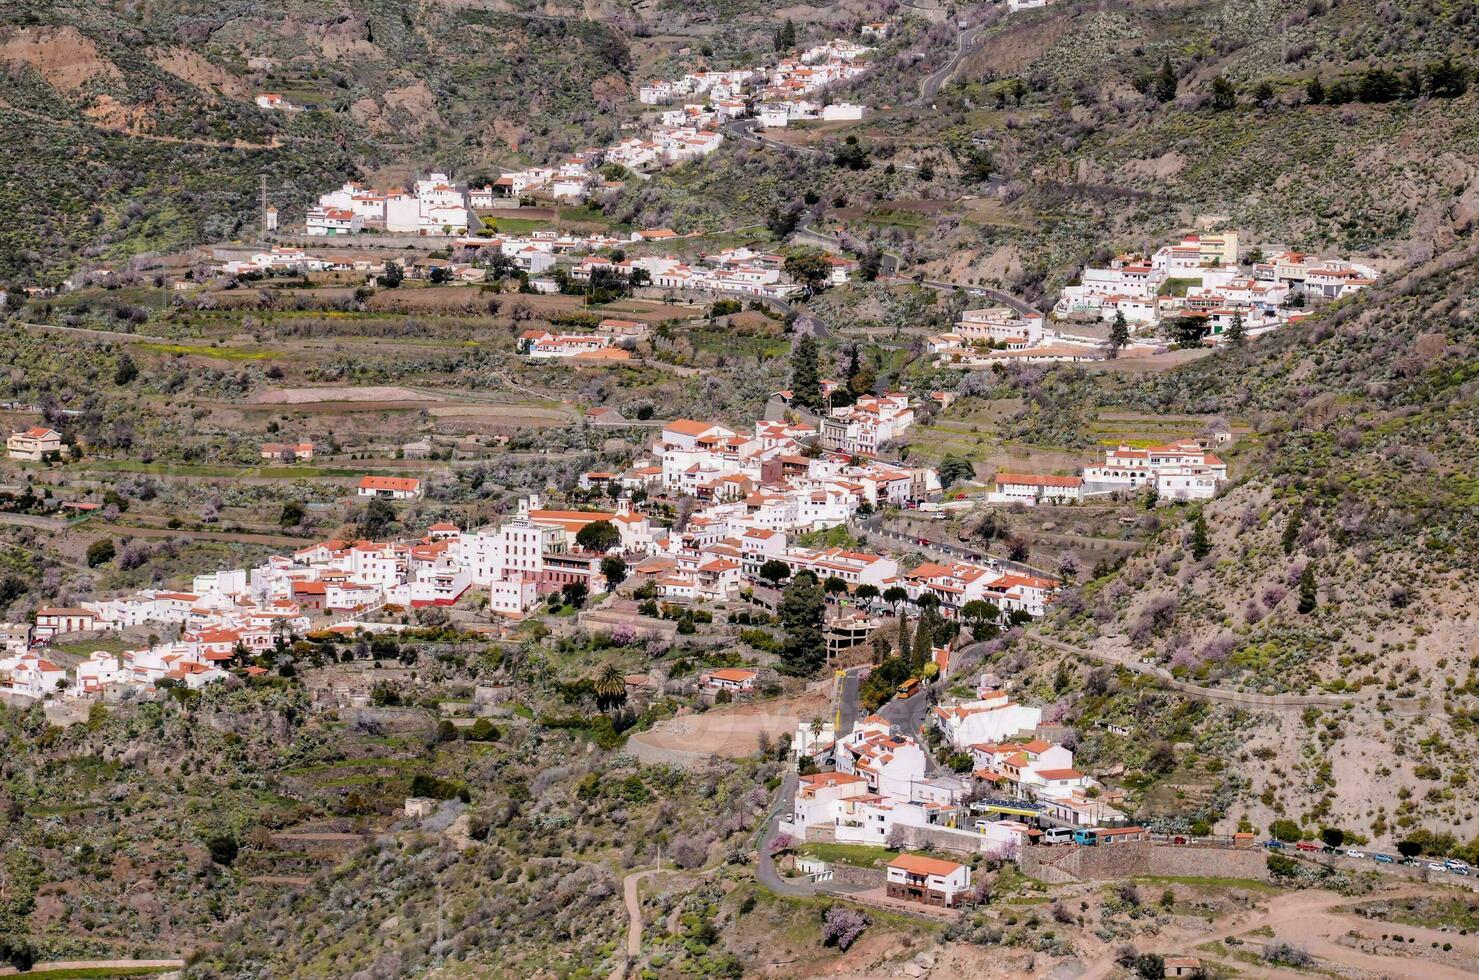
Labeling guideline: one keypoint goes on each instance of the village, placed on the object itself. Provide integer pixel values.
(439, 206)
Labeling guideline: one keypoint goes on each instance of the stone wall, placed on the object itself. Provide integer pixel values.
(1066, 863)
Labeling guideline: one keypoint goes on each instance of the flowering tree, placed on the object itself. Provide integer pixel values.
(842, 926)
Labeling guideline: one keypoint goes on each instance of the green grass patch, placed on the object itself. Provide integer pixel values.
(514, 226)
(1177, 287)
(215, 353)
(81, 648)
(857, 855)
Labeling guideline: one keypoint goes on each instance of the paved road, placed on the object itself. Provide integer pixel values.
(847, 701)
(931, 84)
(908, 714)
(765, 863)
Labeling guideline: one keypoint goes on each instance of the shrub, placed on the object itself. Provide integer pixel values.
(842, 926)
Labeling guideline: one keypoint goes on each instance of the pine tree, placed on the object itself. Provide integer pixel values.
(806, 380)
(1224, 96)
(1164, 88)
(924, 640)
(1291, 531)
(1235, 332)
(1308, 594)
(802, 610)
(1201, 544)
(903, 643)
(1119, 334)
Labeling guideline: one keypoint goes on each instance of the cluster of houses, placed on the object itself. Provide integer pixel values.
(1202, 277)
(431, 206)
(1022, 789)
(785, 92)
(1183, 470)
(739, 271)
(997, 334)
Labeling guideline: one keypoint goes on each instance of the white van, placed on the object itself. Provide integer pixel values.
(1057, 835)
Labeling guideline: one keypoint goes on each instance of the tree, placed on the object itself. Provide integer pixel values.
(1164, 86)
(610, 687)
(292, 514)
(1332, 836)
(802, 608)
(392, 275)
(1224, 96)
(598, 536)
(842, 925)
(954, 468)
(924, 639)
(1291, 531)
(223, 849)
(1236, 334)
(785, 36)
(574, 593)
(1285, 830)
(614, 568)
(895, 594)
(1308, 594)
(1201, 543)
(1150, 966)
(1314, 91)
(1445, 79)
(834, 586)
(1189, 331)
(1409, 848)
(1378, 85)
(851, 155)
(808, 268)
(775, 571)
(377, 518)
(1263, 95)
(1119, 335)
(125, 372)
(100, 552)
(806, 380)
(866, 593)
(978, 613)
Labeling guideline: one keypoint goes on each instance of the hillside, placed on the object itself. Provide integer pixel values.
(1359, 469)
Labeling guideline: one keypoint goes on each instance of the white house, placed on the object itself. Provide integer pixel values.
(389, 487)
(1032, 488)
(927, 880)
(322, 222)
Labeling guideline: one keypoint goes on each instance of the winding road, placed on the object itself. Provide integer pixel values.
(931, 84)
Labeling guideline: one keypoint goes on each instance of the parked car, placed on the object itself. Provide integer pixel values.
(1461, 871)
(1435, 866)
(1383, 858)
(1452, 864)
(1330, 850)
(1275, 845)
(1305, 845)
(1411, 862)
(1353, 853)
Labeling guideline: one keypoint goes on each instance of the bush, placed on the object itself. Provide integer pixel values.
(100, 552)
(223, 850)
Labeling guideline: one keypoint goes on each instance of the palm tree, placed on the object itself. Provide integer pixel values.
(610, 687)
